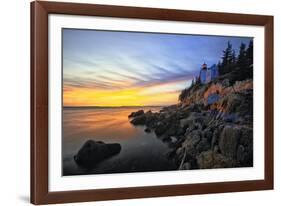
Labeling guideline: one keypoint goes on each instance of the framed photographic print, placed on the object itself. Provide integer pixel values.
(131, 102)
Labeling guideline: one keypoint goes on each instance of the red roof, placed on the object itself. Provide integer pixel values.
(204, 65)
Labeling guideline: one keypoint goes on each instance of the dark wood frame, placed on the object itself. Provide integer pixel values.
(39, 102)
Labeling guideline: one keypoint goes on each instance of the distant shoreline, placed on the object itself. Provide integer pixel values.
(109, 107)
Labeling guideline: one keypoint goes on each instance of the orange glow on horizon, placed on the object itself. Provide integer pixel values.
(139, 96)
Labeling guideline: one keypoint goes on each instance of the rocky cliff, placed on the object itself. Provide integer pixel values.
(211, 127)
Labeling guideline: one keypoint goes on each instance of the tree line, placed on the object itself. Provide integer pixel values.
(230, 60)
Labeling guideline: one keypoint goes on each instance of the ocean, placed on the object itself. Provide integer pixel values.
(141, 151)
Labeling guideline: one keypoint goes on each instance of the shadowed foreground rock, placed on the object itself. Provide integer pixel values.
(93, 152)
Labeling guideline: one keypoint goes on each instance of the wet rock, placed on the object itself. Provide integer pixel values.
(137, 113)
(93, 152)
(173, 139)
(147, 130)
(161, 128)
(139, 120)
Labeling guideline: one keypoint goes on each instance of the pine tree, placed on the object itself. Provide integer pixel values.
(227, 54)
(233, 57)
(249, 52)
(219, 67)
(227, 60)
(242, 58)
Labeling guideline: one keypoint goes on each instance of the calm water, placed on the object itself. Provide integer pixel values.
(140, 151)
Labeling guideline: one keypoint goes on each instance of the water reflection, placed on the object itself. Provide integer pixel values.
(140, 151)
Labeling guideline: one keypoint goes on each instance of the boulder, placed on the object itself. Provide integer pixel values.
(139, 120)
(173, 139)
(245, 148)
(210, 159)
(203, 145)
(137, 113)
(192, 139)
(185, 166)
(93, 152)
(229, 140)
(215, 138)
(147, 130)
(189, 145)
(161, 128)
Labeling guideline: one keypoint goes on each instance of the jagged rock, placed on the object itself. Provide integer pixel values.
(173, 139)
(139, 120)
(148, 130)
(137, 113)
(194, 121)
(210, 159)
(245, 148)
(192, 139)
(203, 145)
(160, 129)
(151, 119)
(229, 140)
(215, 138)
(184, 123)
(185, 166)
(208, 134)
(93, 152)
(216, 149)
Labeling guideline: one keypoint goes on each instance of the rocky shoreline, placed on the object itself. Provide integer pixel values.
(210, 128)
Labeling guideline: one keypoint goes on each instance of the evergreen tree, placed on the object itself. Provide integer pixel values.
(249, 52)
(228, 60)
(233, 57)
(242, 58)
(227, 54)
(219, 65)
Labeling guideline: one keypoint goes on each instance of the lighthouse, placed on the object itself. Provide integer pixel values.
(208, 74)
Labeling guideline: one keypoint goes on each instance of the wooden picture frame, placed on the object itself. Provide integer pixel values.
(39, 102)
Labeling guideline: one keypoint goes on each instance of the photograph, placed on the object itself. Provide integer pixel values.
(151, 102)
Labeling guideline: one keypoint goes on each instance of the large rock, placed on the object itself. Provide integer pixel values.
(139, 120)
(161, 128)
(203, 145)
(229, 140)
(192, 139)
(189, 146)
(93, 152)
(193, 121)
(137, 113)
(245, 148)
(185, 166)
(210, 159)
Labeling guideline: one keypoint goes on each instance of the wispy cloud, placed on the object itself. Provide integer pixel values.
(117, 68)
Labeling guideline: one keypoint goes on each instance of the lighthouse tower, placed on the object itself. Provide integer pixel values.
(203, 73)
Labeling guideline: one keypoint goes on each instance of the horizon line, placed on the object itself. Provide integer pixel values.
(118, 106)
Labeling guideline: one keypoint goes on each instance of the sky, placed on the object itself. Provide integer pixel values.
(110, 68)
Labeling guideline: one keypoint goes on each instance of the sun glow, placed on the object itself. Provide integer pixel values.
(137, 96)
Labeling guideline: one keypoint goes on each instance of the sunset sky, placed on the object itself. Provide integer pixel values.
(103, 68)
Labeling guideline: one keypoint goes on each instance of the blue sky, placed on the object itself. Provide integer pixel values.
(150, 63)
